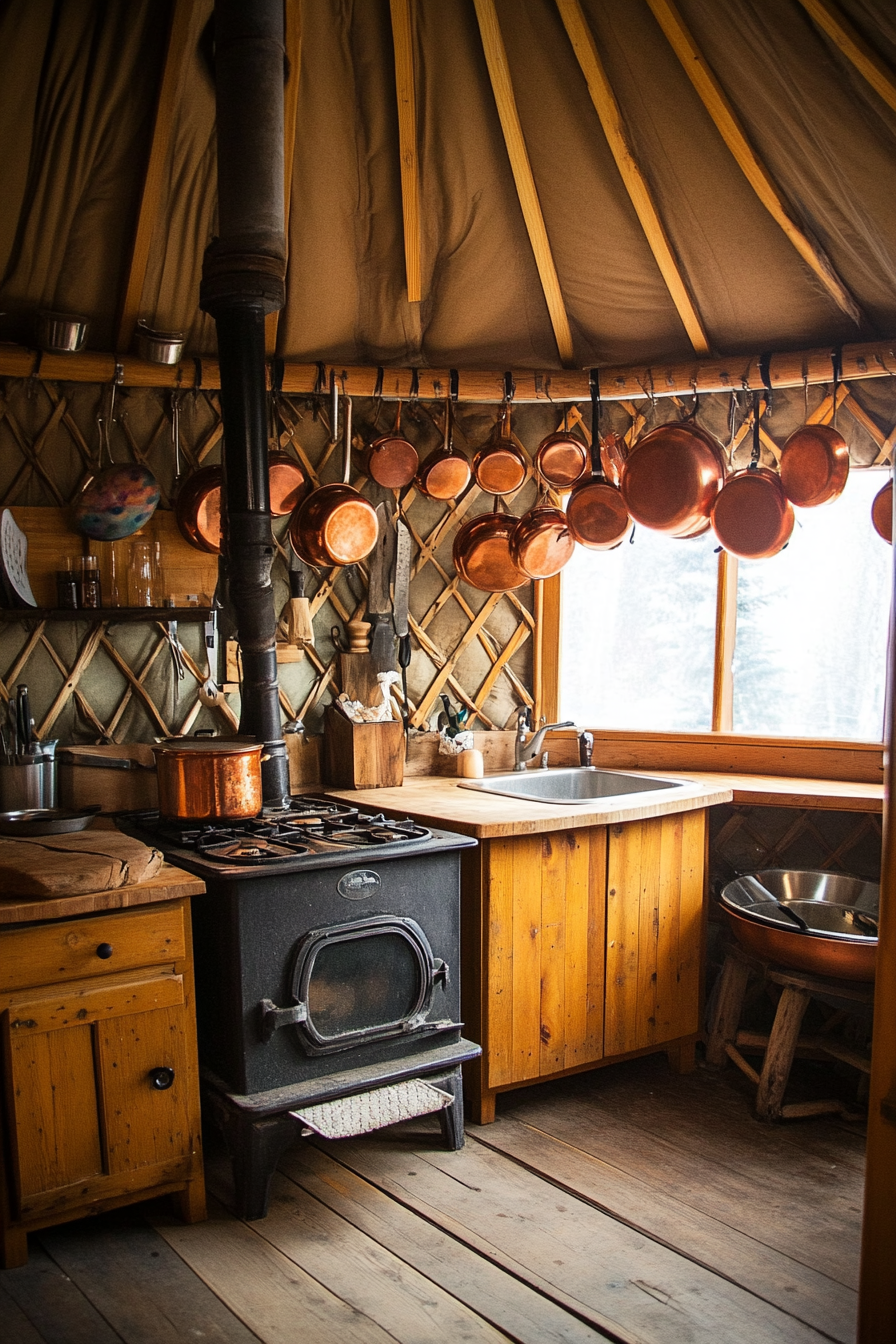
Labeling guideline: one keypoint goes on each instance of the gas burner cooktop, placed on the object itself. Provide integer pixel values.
(307, 829)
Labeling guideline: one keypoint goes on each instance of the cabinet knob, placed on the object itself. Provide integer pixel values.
(161, 1079)
(104, 951)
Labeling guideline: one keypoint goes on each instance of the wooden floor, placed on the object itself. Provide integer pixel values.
(628, 1204)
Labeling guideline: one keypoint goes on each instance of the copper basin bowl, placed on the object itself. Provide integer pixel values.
(671, 478)
(766, 911)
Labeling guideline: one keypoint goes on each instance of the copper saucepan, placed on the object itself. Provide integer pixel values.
(335, 524)
(561, 458)
(751, 515)
(671, 478)
(595, 511)
(499, 466)
(541, 543)
(882, 512)
(197, 509)
(814, 465)
(482, 552)
(209, 779)
(391, 460)
(445, 473)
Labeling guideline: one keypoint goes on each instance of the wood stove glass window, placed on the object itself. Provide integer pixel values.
(363, 981)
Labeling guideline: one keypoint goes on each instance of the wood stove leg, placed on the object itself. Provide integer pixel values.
(256, 1147)
(782, 1044)
(729, 1002)
(451, 1118)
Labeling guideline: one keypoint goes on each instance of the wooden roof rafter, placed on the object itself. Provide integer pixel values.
(607, 108)
(292, 37)
(502, 88)
(405, 93)
(732, 132)
(854, 48)
(176, 54)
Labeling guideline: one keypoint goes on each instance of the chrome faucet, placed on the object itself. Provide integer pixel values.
(527, 750)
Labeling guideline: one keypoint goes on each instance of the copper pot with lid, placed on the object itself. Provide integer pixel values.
(391, 460)
(482, 552)
(671, 478)
(499, 466)
(335, 524)
(445, 473)
(541, 543)
(209, 779)
(561, 458)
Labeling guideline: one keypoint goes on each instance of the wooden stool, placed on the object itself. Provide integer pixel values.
(846, 997)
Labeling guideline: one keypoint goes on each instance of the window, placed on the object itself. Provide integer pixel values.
(638, 630)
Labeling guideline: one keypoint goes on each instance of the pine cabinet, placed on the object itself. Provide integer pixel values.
(100, 1076)
(582, 947)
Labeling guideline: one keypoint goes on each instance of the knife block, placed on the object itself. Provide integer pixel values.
(362, 755)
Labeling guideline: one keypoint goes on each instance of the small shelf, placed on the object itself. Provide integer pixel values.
(107, 615)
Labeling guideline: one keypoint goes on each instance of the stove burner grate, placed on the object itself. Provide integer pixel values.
(252, 849)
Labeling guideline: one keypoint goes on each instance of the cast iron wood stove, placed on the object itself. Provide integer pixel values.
(327, 950)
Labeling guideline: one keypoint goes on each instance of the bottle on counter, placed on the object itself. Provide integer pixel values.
(67, 585)
(90, 594)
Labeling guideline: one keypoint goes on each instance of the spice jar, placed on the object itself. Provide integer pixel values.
(90, 593)
(67, 586)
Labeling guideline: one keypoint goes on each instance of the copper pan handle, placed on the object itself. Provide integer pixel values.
(347, 470)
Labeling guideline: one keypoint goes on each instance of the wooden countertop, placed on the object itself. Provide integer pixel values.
(439, 801)
(168, 884)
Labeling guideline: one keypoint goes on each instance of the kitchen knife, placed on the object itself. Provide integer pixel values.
(379, 604)
(400, 614)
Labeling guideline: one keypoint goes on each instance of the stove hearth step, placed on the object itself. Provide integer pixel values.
(366, 1111)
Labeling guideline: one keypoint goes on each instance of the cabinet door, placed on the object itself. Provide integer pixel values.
(655, 910)
(84, 1117)
(545, 974)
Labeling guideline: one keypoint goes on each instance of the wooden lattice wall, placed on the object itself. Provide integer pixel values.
(113, 682)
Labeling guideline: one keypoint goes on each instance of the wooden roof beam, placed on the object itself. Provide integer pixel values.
(502, 88)
(854, 48)
(292, 40)
(636, 185)
(405, 92)
(758, 176)
(172, 72)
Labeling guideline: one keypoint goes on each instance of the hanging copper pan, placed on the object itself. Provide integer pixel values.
(445, 473)
(287, 481)
(671, 478)
(335, 524)
(596, 512)
(561, 459)
(814, 465)
(882, 512)
(499, 466)
(751, 515)
(391, 460)
(197, 509)
(542, 543)
(482, 553)
(613, 453)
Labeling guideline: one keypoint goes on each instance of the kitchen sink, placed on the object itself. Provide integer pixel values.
(579, 784)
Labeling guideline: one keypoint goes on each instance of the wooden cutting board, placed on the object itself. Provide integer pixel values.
(70, 865)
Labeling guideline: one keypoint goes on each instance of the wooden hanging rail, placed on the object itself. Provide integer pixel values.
(625, 382)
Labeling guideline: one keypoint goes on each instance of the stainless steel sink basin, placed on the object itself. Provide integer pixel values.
(578, 785)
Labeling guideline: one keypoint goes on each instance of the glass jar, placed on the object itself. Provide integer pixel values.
(90, 594)
(140, 575)
(67, 584)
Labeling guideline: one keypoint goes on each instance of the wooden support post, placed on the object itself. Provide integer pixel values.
(726, 1014)
(726, 631)
(781, 1049)
(403, 43)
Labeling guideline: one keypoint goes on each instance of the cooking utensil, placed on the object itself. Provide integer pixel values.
(542, 542)
(391, 460)
(61, 333)
(158, 347)
(177, 657)
(379, 602)
(209, 779)
(499, 466)
(814, 465)
(287, 482)
(445, 473)
(335, 524)
(482, 554)
(882, 512)
(595, 510)
(561, 458)
(209, 693)
(751, 515)
(47, 820)
(119, 500)
(197, 511)
(400, 613)
(299, 625)
(671, 478)
(23, 718)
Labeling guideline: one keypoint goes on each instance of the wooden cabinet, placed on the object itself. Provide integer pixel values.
(581, 947)
(100, 1076)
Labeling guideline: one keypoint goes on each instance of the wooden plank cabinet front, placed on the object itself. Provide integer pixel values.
(100, 1076)
(582, 947)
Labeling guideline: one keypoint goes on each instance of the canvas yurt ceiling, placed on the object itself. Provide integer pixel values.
(586, 182)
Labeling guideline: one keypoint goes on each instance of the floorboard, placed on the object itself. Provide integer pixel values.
(17, 1329)
(53, 1304)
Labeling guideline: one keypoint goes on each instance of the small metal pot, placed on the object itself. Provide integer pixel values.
(61, 333)
(159, 347)
(541, 543)
(209, 779)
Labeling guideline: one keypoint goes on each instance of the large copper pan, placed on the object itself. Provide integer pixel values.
(671, 478)
(814, 465)
(482, 552)
(541, 543)
(751, 515)
(335, 524)
(197, 509)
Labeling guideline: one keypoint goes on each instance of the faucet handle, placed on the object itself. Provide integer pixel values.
(586, 747)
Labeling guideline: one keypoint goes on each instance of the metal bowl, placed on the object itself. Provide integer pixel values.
(815, 921)
(159, 347)
(61, 333)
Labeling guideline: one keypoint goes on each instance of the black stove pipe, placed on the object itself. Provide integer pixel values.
(243, 280)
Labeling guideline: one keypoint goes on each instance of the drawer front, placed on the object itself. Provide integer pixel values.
(47, 954)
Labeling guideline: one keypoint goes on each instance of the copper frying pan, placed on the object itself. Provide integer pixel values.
(671, 478)
(814, 465)
(391, 460)
(751, 515)
(482, 552)
(882, 512)
(595, 511)
(445, 473)
(499, 466)
(335, 524)
(561, 459)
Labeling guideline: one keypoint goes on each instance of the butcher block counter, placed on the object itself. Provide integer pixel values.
(99, 1073)
(583, 926)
